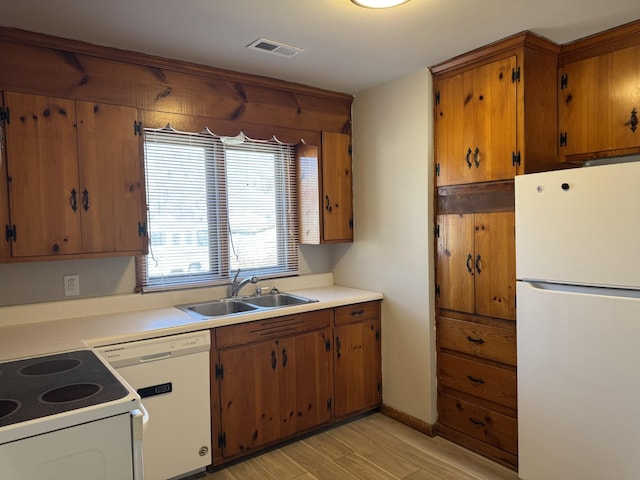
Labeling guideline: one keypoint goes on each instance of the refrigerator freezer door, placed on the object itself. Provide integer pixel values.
(578, 384)
(580, 226)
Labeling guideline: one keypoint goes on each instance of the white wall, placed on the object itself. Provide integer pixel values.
(393, 247)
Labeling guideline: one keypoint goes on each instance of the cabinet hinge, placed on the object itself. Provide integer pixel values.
(329, 403)
(4, 115)
(10, 232)
(437, 290)
(563, 139)
(351, 223)
(377, 334)
(219, 371)
(437, 99)
(515, 159)
(142, 229)
(350, 149)
(437, 231)
(437, 169)
(137, 127)
(379, 388)
(515, 75)
(564, 81)
(222, 440)
(327, 345)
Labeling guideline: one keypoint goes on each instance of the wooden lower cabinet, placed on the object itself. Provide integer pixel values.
(357, 358)
(477, 387)
(274, 379)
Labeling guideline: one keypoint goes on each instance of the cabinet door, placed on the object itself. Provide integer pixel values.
(42, 163)
(272, 390)
(455, 262)
(336, 187)
(249, 397)
(357, 358)
(450, 153)
(475, 124)
(596, 102)
(492, 121)
(494, 263)
(111, 178)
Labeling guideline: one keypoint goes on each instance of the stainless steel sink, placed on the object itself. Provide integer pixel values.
(235, 306)
(275, 300)
(218, 308)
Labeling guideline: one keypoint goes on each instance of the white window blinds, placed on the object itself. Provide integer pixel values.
(216, 204)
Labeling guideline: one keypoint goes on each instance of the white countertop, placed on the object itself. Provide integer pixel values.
(57, 333)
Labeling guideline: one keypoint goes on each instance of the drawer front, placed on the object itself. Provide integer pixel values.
(494, 384)
(357, 312)
(272, 328)
(483, 424)
(486, 341)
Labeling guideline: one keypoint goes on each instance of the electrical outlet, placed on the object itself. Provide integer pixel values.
(71, 285)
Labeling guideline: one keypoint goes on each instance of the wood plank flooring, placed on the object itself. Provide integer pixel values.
(374, 447)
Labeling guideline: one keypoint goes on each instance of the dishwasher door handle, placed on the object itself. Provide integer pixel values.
(155, 356)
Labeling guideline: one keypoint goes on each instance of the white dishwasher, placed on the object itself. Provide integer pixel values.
(171, 375)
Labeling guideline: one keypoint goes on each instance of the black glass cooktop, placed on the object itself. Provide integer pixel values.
(53, 384)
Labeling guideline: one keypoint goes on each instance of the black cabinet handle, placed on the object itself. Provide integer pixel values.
(477, 380)
(274, 360)
(338, 346)
(327, 207)
(85, 199)
(284, 357)
(469, 164)
(477, 341)
(469, 260)
(633, 121)
(476, 157)
(357, 313)
(478, 258)
(74, 200)
(479, 423)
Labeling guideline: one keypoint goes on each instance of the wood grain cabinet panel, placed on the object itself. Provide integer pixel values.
(77, 182)
(475, 263)
(481, 423)
(599, 104)
(493, 383)
(325, 190)
(473, 338)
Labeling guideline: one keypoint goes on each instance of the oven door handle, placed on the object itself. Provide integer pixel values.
(139, 422)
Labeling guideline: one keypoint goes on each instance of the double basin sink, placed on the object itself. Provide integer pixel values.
(233, 306)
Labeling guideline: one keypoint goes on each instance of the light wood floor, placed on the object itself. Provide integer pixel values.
(371, 448)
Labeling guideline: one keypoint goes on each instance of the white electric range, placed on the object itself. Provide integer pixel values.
(68, 416)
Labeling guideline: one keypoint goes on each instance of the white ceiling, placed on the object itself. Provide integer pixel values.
(346, 48)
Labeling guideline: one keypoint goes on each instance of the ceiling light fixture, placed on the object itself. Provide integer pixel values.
(379, 3)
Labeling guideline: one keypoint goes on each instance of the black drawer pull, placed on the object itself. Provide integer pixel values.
(477, 341)
(477, 380)
(479, 423)
(357, 313)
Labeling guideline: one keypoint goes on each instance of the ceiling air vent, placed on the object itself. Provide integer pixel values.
(269, 46)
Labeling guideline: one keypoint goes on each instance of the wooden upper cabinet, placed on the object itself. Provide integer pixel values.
(325, 190)
(599, 104)
(112, 175)
(42, 163)
(494, 111)
(76, 178)
(475, 263)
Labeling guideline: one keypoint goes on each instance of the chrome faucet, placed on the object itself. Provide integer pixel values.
(236, 285)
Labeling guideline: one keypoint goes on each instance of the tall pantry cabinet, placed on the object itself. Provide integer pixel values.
(494, 118)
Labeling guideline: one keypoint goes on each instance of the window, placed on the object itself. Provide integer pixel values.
(215, 205)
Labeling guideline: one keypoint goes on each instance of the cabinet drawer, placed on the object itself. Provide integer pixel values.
(357, 312)
(486, 341)
(272, 328)
(492, 383)
(486, 425)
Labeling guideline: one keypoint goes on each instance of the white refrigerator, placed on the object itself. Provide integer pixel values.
(578, 327)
